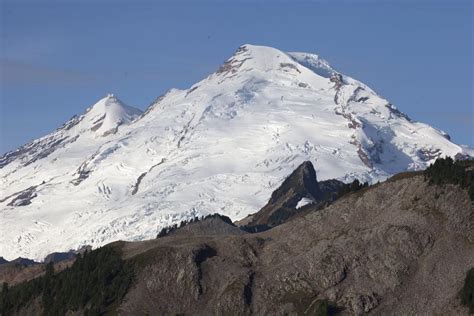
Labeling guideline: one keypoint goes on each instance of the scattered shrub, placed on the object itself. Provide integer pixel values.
(354, 186)
(165, 231)
(326, 308)
(467, 292)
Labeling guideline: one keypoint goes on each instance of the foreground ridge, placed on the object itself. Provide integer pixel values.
(404, 246)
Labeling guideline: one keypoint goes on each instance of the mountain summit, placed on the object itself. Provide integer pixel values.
(222, 145)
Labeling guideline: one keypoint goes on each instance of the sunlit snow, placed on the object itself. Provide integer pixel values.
(303, 202)
(221, 146)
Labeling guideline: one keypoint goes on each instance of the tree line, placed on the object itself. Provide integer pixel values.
(448, 171)
(96, 281)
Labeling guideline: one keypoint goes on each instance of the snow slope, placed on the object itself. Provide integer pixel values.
(221, 146)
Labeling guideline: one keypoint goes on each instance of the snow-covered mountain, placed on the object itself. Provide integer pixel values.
(221, 146)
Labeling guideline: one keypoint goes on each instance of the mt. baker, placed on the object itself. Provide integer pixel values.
(221, 146)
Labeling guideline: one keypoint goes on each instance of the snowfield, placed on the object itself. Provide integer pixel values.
(221, 146)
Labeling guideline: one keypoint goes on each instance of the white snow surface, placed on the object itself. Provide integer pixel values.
(222, 145)
(303, 202)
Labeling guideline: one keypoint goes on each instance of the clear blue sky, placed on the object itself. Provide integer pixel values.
(59, 57)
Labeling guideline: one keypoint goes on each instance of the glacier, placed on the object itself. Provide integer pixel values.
(221, 146)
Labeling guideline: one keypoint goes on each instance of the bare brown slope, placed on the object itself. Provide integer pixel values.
(401, 247)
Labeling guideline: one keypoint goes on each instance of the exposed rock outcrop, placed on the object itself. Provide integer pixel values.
(300, 184)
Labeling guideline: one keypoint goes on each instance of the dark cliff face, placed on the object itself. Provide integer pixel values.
(401, 247)
(301, 183)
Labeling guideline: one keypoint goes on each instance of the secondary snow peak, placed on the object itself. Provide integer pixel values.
(108, 114)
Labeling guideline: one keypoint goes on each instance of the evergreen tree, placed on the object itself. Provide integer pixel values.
(467, 292)
(448, 171)
(97, 279)
(48, 295)
(4, 307)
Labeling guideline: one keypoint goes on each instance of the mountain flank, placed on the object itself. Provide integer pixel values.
(222, 145)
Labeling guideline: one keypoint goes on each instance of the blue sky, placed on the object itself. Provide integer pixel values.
(59, 57)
